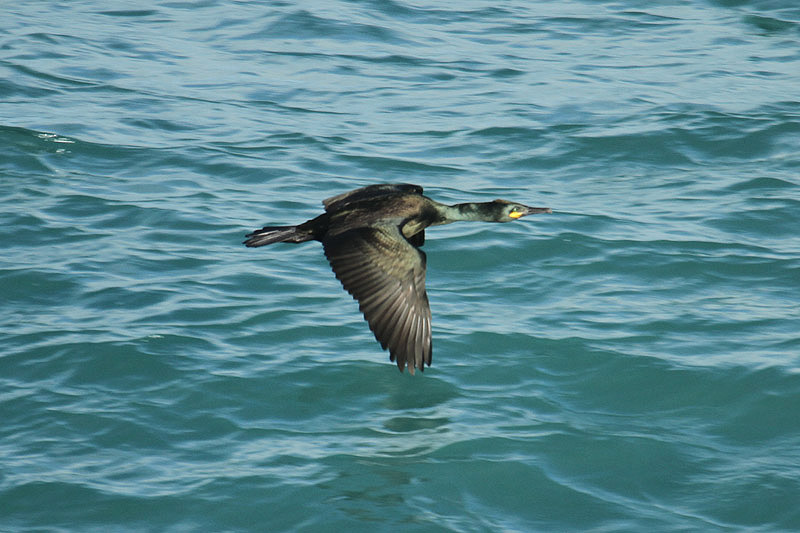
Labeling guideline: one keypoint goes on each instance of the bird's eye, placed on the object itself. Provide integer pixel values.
(515, 212)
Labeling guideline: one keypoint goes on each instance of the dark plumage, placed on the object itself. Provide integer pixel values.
(371, 237)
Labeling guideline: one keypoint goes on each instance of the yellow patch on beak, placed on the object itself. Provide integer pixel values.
(515, 214)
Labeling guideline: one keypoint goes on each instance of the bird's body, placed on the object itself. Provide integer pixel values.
(371, 237)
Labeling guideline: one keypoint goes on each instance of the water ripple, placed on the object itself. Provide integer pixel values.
(627, 363)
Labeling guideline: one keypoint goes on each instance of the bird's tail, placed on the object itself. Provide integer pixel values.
(270, 234)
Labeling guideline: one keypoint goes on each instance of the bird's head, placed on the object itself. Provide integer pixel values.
(506, 211)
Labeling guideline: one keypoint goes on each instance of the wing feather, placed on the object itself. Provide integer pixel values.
(386, 274)
(341, 201)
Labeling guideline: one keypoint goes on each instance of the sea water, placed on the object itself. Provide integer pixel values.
(628, 363)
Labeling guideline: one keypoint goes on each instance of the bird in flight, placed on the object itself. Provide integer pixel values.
(372, 238)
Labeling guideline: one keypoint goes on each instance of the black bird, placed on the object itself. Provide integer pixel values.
(371, 237)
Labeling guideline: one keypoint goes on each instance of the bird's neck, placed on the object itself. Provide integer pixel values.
(467, 211)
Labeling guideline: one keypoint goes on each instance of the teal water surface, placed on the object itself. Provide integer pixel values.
(628, 363)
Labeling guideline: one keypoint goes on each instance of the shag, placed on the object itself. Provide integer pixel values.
(371, 237)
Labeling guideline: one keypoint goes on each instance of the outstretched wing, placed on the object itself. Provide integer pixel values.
(386, 274)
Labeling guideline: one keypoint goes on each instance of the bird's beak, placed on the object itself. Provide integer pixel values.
(535, 210)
